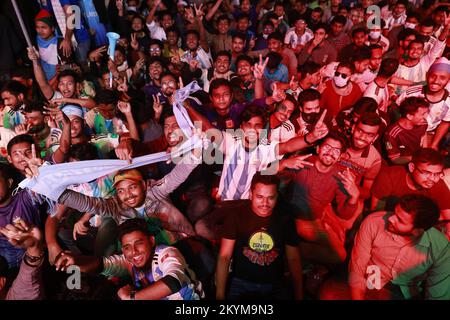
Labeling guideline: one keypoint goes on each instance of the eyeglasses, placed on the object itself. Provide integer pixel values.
(428, 174)
(170, 83)
(343, 75)
(326, 147)
(155, 49)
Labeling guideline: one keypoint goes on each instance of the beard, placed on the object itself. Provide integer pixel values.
(36, 129)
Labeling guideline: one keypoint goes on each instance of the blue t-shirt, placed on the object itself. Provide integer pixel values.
(82, 33)
(281, 74)
(21, 206)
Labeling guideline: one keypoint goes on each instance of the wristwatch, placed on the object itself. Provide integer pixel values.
(132, 295)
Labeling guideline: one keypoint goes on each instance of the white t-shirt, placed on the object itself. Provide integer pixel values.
(381, 95)
(418, 72)
(284, 132)
(439, 111)
(293, 39)
(240, 165)
(156, 31)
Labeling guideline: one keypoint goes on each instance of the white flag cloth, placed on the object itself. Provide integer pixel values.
(180, 112)
(54, 179)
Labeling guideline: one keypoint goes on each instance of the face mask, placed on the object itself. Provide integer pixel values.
(265, 36)
(409, 25)
(134, 9)
(424, 38)
(339, 82)
(311, 118)
(374, 34)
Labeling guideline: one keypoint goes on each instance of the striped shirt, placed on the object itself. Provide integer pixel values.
(439, 111)
(401, 142)
(418, 72)
(284, 132)
(380, 94)
(240, 165)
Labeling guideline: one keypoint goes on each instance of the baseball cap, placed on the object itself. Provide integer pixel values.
(131, 174)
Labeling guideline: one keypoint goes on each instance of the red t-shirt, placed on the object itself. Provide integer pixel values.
(401, 142)
(390, 185)
(334, 102)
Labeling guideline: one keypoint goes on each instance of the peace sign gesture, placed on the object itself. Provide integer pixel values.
(258, 69)
(157, 106)
(293, 84)
(278, 94)
(320, 129)
(33, 164)
(134, 43)
(199, 12)
(348, 181)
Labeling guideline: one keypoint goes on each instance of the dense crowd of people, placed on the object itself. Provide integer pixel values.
(218, 149)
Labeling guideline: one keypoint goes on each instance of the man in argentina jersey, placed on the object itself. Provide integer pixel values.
(436, 94)
(158, 272)
(244, 156)
(416, 66)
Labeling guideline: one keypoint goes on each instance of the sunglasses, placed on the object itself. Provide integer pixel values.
(342, 75)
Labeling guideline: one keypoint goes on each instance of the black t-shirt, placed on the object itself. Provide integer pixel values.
(260, 243)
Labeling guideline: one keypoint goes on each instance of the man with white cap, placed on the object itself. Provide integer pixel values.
(105, 143)
(436, 94)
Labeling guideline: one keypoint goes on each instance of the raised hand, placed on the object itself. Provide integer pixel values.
(22, 234)
(22, 128)
(33, 54)
(175, 57)
(293, 84)
(157, 106)
(199, 13)
(320, 129)
(123, 86)
(180, 81)
(97, 53)
(348, 181)
(134, 43)
(278, 94)
(297, 162)
(57, 115)
(33, 164)
(124, 107)
(119, 5)
(189, 15)
(66, 46)
(258, 68)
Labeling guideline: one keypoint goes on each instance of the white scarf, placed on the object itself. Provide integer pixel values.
(54, 179)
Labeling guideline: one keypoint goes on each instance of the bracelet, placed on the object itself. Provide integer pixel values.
(306, 141)
(29, 259)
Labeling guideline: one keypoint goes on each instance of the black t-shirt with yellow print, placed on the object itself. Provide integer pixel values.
(260, 243)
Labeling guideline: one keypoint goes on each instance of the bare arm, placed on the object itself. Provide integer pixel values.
(39, 74)
(223, 264)
(151, 14)
(125, 108)
(213, 11)
(441, 131)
